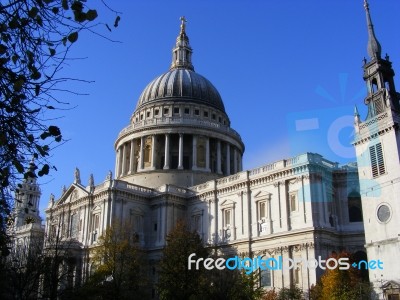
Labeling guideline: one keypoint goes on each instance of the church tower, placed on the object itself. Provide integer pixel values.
(26, 206)
(27, 227)
(377, 144)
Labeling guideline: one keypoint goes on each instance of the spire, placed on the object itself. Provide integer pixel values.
(356, 111)
(182, 53)
(374, 48)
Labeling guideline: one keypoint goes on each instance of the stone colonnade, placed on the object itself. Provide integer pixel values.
(177, 151)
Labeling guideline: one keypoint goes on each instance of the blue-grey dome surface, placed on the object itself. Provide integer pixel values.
(181, 84)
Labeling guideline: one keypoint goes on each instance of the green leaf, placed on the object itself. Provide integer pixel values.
(3, 49)
(65, 4)
(54, 130)
(14, 58)
(79, 16)
(73, 37)
(36, 75)
(44, 171)
(91, 14)
(18, 84)
(116, 22)
(44, 135)
(33, 12)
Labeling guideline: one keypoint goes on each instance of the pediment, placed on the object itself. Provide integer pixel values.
(391, 284)
(73, 193)
(228, 203)
(196, 210)
(262, 195)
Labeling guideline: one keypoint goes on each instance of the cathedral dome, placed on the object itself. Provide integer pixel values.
(179, 133)
(181, 84)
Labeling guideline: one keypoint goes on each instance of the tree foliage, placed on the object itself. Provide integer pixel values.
(176, 281)
(35, 39)
(120, 267)
(336, 284)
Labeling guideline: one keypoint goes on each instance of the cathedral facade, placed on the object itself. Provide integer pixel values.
(179, 159)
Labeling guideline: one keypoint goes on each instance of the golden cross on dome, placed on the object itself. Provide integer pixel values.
(183, 25)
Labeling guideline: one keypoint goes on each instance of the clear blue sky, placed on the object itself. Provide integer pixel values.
(281, 67)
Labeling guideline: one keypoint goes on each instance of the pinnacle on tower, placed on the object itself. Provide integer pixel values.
(374, 48)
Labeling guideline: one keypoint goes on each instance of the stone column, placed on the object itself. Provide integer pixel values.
(166, 154)
(153, 152)
(219, 157)
(132, 158)
(235, 164)
(123, 162)
(180, 165)
(208, 154)
(194, 153)
(228, 159)
(141, 156)
(117, 162)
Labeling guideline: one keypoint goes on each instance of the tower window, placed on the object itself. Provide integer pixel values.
(377, 161)
(176, 110)
(156, 112)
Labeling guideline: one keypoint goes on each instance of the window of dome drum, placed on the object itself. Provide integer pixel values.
(156, 111)
(197, 112)
(187, 110)
(176, 110)
(206, 114)
(166, 111)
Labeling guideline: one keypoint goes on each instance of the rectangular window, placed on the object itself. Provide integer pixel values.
(156, 112)
(187, 110)
(197, 223)
(166, 111)
(96, 222)
(148, 114)
(227, 217)
(176, 110)
(213, 116)
(74, 225)
(206, 114)
(377, 161)
(265, 277)
(263, 210)
(197, 112)
(293, 202)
